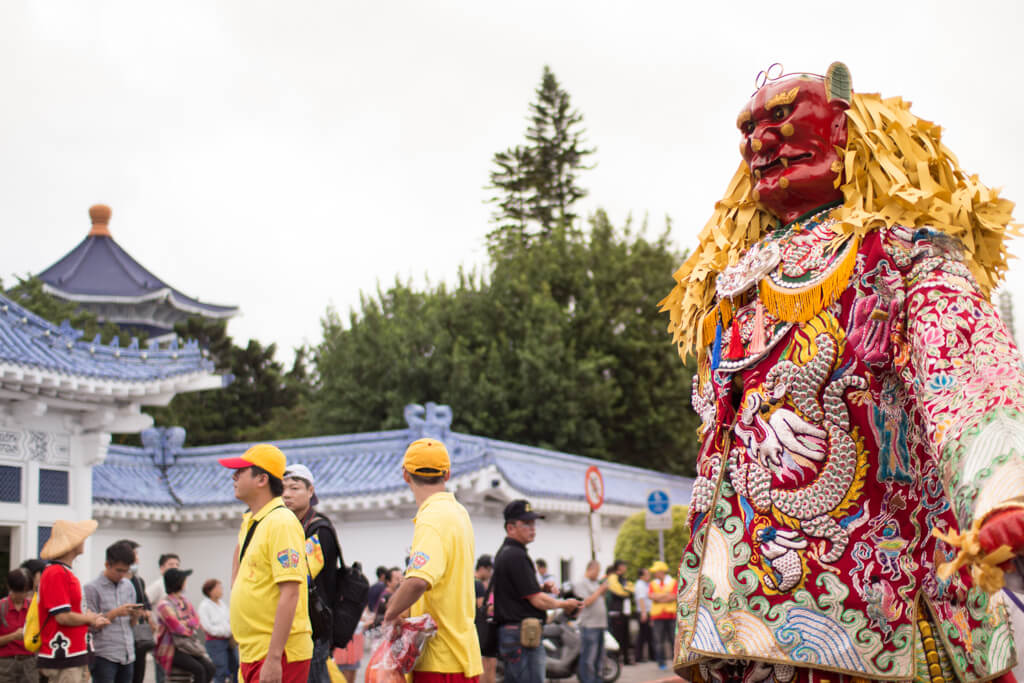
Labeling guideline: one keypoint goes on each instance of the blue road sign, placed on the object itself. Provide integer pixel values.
(657, 502)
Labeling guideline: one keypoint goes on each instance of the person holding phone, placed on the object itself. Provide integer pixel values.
(113, 595)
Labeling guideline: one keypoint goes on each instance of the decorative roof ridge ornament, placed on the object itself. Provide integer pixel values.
(431, 421)
(163, 444)
(99, 216)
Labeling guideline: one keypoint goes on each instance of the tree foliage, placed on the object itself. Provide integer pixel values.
(639, 547)
(29, 292)
(536, 182)
(261, 402)
(560, 346)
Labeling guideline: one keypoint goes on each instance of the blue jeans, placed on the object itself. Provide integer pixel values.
(225, 658)
(106, 671)
(318, 665)
(591, 654)
(522, 665)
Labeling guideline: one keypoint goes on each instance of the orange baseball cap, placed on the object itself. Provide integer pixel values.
(262, 455)
(427, 458)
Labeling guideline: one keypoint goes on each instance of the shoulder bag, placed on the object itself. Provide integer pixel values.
(142, 632)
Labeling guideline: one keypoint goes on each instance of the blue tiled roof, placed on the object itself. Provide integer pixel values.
(367, 464)
(31, 342)
(100, 267)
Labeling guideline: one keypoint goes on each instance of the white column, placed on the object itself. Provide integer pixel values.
(87, 451)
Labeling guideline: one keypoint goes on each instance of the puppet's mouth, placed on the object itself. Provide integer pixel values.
(780, 162)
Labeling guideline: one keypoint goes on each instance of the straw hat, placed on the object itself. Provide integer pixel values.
(65, 536)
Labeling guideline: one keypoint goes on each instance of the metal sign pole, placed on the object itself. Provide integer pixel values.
(590, 523)
(661, 545)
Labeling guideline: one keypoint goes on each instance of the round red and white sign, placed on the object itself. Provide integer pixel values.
(593, 486)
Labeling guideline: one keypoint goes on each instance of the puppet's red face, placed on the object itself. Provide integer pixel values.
(790, 132)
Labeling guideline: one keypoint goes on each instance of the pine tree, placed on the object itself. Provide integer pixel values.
(537, 182)
(513, 177)
(558, 153)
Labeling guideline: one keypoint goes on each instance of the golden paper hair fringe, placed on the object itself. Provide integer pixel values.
(897, 171)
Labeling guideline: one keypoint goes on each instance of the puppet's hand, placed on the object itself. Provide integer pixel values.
(1004, 527)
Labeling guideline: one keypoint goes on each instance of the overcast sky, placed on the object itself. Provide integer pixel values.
(284, 156)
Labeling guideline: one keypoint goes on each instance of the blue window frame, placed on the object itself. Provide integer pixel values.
(44, 536)
(53, 487)
(10, 484)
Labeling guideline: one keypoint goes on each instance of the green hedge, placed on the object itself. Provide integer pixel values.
(639, 547)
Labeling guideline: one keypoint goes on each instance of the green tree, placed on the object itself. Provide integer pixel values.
(560, 346)
(639, 547)
(537, 182)
(512, 177)
(558, 152)
(262, 400)
(29, 292)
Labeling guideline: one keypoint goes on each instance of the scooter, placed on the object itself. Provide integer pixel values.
(562, 643)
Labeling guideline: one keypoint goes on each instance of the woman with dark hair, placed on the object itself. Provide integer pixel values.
(214, 618)
(177, 635)
(16, 663)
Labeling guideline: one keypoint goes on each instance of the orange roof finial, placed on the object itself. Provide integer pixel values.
(99, 214)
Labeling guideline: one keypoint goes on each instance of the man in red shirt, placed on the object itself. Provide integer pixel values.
(64, 621)
(16, 663)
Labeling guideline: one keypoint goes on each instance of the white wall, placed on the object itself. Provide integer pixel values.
(33, 442)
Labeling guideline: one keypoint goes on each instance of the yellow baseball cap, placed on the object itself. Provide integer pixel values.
(659, 566)
(262, 455)
(427, 458)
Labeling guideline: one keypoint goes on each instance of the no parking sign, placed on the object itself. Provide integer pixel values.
(593, 487)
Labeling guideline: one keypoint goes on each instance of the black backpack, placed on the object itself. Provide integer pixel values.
(353, 589)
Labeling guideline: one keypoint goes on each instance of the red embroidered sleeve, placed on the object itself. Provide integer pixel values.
(965, 372)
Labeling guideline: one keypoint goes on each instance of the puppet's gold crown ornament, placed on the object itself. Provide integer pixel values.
(896, 170)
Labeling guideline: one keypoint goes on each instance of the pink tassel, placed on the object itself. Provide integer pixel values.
(757, 340)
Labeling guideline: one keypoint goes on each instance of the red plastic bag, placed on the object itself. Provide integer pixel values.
(399, 648)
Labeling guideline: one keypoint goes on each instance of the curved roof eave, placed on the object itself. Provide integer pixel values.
(29, 342)
(173, 297)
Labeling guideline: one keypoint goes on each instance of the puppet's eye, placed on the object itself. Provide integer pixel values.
(747, 127)
(781, 112)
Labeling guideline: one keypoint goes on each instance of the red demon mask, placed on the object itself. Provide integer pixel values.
(791, 128)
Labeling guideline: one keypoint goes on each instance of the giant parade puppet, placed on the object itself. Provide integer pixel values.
(861, 466)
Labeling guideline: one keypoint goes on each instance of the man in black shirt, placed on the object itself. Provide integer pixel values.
(300, 497)
(518, 596)
(487, 635)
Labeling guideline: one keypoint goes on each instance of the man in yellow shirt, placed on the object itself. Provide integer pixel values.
(663, 612)
(269, 613)
(439, 580)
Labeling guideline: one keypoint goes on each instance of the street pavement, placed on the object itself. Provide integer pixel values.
(644, 673)
(647, 672)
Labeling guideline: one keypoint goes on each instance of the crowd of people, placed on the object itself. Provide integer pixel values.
(280, 623)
